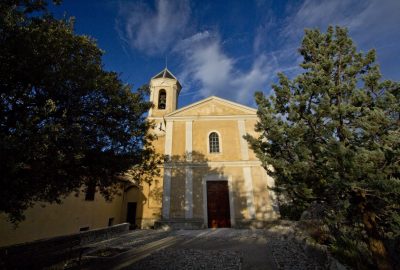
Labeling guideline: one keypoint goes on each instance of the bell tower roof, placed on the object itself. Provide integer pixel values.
(167, 74)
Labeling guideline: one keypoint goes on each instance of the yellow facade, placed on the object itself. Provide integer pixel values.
(184, 138)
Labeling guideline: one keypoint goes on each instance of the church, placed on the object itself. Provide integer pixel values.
(210, 177)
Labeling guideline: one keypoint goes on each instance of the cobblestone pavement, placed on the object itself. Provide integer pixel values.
(191, 259)
(273, 248)
(288, 252)
(132, 239)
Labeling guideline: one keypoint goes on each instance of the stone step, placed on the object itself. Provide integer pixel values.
(178, 224)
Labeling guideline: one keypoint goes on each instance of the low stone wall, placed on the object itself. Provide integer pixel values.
(179, 224)
(44, 252)
(314, 250)
(103, 233)
(196, 224)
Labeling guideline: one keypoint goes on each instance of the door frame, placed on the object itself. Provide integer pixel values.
(218, 177)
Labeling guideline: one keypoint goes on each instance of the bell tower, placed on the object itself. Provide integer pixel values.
(164, 92)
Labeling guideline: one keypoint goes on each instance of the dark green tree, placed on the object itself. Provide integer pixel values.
(332, 136)
(65, 122)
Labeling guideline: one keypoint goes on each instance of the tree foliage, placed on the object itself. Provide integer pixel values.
(332, 136)
(65, 122)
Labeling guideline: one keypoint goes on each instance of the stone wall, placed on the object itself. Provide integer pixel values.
(66, 218)
(40, 253)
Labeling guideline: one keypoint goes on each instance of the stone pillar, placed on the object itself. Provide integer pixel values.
(167, 171)
(244, 148)
(168, 138)
(248, 179)
(188, 172)
(166, 193)
(189, 144)
(248, 185)
(189, 193)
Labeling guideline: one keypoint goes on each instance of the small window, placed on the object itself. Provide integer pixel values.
(90, 191)
(162, 99)
(213, 142)
(110, 221)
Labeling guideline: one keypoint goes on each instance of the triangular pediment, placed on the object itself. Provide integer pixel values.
(213, 106)
(165, 73)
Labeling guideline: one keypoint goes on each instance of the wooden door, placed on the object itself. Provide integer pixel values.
(218, 209)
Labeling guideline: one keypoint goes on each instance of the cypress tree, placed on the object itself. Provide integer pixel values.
(332, 136)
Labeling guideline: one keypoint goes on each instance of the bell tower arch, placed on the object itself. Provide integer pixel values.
(164, 92)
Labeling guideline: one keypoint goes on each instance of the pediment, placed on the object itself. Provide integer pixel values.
(213, 106)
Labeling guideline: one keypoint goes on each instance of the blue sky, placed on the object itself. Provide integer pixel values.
(227, 48)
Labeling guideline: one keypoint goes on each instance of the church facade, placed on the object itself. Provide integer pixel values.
(210, 178)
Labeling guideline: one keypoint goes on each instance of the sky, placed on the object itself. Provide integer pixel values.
(228, 49)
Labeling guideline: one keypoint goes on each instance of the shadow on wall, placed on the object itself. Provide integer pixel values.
(255, 207)
(248, 206)
(188, 170)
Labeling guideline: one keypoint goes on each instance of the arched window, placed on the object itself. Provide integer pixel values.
(213, 140)
(162, 99)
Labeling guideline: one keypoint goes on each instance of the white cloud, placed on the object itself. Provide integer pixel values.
(262, 31)
(196, 39)
(371, 24)
(153, 31)
(366, 20)
(257, 78)
(205, 63)
(312, 14)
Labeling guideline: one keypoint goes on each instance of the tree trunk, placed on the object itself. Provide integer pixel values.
(380, 255)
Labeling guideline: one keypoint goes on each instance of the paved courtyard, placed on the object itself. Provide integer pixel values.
(273, 248)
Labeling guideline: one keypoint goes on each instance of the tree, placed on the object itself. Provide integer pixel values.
(65, 122)
(332, 136)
